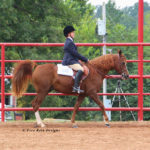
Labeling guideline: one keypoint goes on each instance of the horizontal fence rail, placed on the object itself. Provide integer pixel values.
(71, 109)
(78, 44)
(62, 94)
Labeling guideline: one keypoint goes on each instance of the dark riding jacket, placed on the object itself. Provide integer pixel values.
(71, 55)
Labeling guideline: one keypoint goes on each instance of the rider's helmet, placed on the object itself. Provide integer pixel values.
(68, 29)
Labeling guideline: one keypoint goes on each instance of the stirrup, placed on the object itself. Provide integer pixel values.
(77, 90)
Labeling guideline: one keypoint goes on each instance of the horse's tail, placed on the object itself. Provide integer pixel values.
(22, 74)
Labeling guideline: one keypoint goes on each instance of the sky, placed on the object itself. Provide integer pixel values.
(119, 3)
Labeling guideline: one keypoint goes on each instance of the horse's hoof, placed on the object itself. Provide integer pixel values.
(107, 125)
(42, 125)
(39, 125)
(74, 126)
(36, 125)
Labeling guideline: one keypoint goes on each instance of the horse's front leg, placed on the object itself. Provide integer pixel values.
(76, 107)
(96, 99)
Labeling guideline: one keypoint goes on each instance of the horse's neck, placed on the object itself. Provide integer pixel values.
(104, 63)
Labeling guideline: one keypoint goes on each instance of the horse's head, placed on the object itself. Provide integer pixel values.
(120, 65)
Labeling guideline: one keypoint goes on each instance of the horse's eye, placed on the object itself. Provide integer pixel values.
(123, 63)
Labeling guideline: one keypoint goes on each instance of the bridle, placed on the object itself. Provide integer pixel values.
(122, 64)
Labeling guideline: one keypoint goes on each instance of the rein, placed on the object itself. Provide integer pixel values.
(101, 73)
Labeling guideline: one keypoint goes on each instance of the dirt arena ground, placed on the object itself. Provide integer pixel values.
(89, 136)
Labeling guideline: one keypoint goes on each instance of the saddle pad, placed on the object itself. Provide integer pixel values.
(64, 70)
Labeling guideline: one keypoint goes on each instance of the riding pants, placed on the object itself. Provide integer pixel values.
(76, 67)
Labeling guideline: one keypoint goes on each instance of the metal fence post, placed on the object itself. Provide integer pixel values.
(140, 58)
(3, 82)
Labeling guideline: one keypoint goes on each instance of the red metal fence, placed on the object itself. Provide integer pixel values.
(140, 75)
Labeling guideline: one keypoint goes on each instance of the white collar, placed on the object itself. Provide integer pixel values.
(70, 38)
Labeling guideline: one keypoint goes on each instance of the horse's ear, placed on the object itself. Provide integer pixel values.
(119, 52)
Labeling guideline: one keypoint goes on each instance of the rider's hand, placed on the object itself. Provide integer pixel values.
(87, 61)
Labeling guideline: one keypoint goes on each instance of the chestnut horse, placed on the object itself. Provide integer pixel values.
(45, 78)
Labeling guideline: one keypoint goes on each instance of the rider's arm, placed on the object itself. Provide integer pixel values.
(75, 53)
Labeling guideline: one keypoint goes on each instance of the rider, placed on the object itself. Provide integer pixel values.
(72, 57)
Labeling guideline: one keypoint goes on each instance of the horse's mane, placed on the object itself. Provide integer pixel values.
(101, 63)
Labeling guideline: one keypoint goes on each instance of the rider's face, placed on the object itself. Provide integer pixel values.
(72, 34)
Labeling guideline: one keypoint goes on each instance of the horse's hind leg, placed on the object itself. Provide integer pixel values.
(36, 104)
(38, 119)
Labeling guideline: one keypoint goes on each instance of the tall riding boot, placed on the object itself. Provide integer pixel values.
(76, 87)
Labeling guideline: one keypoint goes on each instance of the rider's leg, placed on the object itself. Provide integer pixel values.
(77, 80)
(80, 71)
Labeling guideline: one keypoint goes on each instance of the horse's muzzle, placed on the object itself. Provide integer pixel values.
(124, 76)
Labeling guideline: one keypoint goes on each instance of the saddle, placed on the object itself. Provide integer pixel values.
(66, 71)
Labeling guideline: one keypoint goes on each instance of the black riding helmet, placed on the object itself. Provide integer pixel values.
(68, 29)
